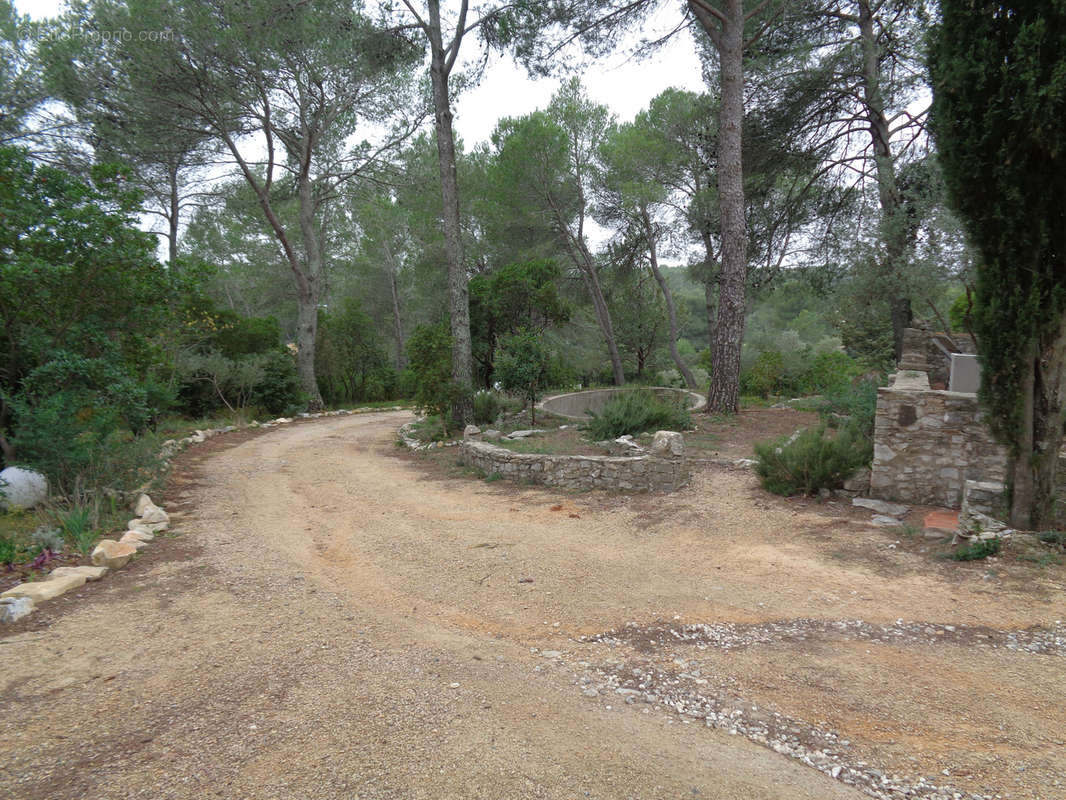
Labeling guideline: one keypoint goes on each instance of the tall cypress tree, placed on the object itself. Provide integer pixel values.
(999, 116)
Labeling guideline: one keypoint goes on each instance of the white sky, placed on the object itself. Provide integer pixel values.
(623, 85)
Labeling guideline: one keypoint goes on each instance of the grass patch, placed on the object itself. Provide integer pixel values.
(492, 477)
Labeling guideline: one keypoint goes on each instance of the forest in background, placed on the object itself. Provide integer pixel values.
(316, 242)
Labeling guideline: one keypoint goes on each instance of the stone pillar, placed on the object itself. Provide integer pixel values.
(914, 357)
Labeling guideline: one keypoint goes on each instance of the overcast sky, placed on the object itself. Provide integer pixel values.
(624, 85)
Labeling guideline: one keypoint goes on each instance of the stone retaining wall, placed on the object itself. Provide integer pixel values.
(928, 443)
(628, 473)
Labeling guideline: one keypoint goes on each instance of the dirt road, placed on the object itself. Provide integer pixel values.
(335, 619)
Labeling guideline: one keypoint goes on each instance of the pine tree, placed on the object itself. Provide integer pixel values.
(999, 77)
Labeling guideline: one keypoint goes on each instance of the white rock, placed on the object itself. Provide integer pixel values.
(143, 503)
(39, 591)
(112, 554)
(140, 527)
(880, 506)
(22, 488)
(134, 538)
(12, 609)
(523, 434)
(151, 527)
(886, 521)
(471, 432)
(668, 444)
(153, 515)
(89, 573)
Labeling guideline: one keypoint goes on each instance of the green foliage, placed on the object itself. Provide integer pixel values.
(855, 402)
(77, 526)
(961, 313)
(636, 411)
(350, 360)
(486, 407)
(1053, 537)
(811, 460)
(9, 551)
(84, 303)
(765, 375)
(999, 75)
(516, 297)
(429, 356)
(975, 551)
(47, 537)
(830, 372)
(522, 366)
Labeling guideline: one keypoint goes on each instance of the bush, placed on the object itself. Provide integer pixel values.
(811, 460)
(766, 375)
(522, 366)
(636, 411)
(856, 402)
(975, 551)
(831, 371)
(429, 353)
(486, 407)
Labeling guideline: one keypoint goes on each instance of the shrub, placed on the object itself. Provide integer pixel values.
(46, 537)
(831, 371)
(811, 460)
(429, 353)
(522, 366)
(9, 551)
(765, 376)
(636, 411)
(78, 528)
(975, 551)
(279, 391)
(486, 407)
(857, 402)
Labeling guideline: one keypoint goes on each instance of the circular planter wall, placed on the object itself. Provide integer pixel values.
(576, 405)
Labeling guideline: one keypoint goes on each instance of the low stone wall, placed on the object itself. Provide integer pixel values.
(928, 443)
(628, 473)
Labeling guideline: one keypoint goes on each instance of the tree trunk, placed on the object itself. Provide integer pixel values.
(172, 218)
(1033, 466)
(894, 234)
(724, 394)
(307, 297)
(458, 294)
(582, 258)
(603, 317)
(397, 321)
(671, 310)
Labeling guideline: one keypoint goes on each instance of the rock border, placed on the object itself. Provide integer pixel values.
(665, 469)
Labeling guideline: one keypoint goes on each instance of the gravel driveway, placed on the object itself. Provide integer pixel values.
(334, 618)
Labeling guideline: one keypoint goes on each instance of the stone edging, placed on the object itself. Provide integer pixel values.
(22, 600)
(413, 444)
(643, 473)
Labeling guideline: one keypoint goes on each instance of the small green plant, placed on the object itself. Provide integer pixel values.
(811, 460)
(8, 552)
(975, 551)
(47, 537)
(78, 528)
(637, 411)
(493, 476)
(1053, 537)
(486, 407)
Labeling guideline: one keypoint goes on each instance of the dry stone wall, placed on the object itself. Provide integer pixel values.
(928, 443)
(627, 473)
